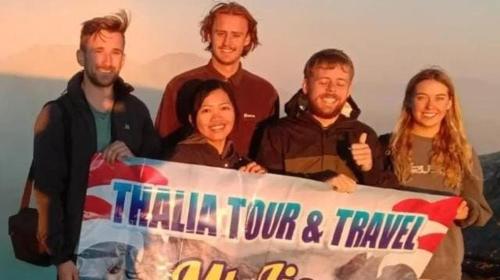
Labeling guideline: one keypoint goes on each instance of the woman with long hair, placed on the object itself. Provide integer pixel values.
(429, 150)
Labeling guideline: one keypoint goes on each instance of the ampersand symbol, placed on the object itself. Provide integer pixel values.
(311, 232)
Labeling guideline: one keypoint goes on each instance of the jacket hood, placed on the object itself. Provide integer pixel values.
(299, 104)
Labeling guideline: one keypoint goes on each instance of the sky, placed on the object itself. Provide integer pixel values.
(385, 37)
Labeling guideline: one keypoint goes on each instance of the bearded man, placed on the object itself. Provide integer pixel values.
(321, 137)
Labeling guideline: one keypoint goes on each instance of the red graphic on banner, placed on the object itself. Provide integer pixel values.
(438, 211)
(102, 173)
(96, 208)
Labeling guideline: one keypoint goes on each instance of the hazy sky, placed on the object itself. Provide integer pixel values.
(384, 37)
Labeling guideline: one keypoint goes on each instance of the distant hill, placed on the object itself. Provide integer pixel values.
(156, 73)
(54, 61)
(482, 245)
(59, 61)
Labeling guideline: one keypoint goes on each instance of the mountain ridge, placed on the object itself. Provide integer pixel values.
(59, 61)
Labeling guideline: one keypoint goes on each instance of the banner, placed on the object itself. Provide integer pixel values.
(147, 219)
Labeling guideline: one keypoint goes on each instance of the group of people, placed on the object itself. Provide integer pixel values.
(222, 115)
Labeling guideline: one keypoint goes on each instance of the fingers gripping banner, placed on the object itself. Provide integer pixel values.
(146, 219)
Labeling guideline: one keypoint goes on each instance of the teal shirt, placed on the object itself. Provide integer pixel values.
(103, 128)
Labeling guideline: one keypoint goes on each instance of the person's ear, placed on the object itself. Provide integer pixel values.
(190, 119)
(247, 40)
(304, 86)
(80, 57)
(349, 90)
(124, 58)
(208, 35)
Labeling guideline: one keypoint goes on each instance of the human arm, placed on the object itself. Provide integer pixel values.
(133, 132)
(462, 211)
(116, 151)
(51, 175)
(362, 153)
(381, 173)
(67, 271)
(472, 192)
(367, 155)
(342, 183)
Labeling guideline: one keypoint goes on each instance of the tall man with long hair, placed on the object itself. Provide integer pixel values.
(230, 32)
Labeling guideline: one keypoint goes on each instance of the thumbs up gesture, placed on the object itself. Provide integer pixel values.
(362, 154)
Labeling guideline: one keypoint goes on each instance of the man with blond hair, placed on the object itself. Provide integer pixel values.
(321, 137)
(231, 33)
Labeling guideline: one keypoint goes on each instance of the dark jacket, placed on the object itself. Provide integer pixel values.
(298, 145)
(62, 163)
(196, 150)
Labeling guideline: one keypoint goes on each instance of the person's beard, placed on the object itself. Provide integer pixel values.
(321, 113)
(101, 79)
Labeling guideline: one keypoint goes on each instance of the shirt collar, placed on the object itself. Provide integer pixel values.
(235, 79)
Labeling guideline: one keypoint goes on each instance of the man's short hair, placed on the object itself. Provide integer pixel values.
(329, 58)
(230, 8)
(117, 22)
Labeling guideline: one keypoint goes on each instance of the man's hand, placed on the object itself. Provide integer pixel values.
(116, 150)
(253, 167)
(342, 183)
(67, 271)
(462, 211)
(362, 154)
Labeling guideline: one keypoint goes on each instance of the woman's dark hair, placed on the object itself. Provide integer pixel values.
(203, 90)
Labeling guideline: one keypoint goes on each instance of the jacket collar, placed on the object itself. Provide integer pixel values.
(197, 138)
(75, 91)
(308, 118)
(235, 79)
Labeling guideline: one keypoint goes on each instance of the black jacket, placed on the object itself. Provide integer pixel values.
(62, 163)
(298, 145)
